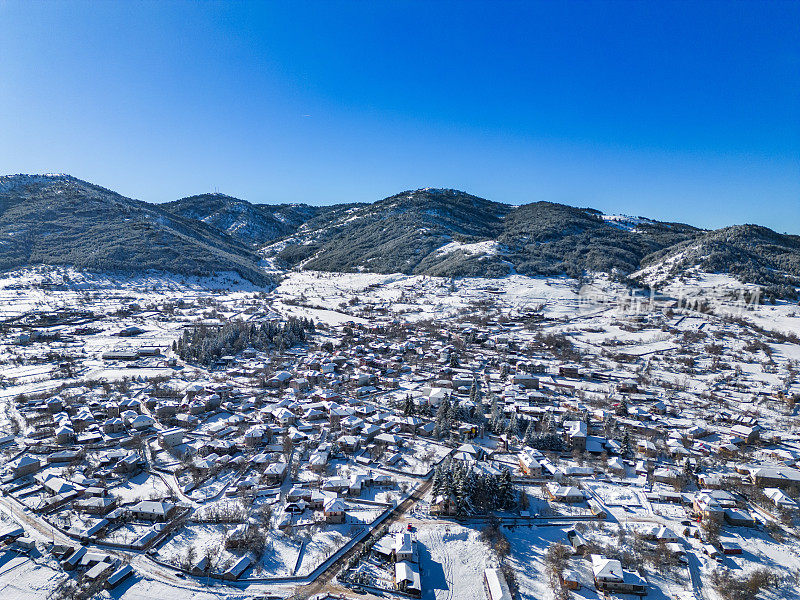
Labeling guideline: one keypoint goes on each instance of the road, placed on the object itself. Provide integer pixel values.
(150, 569)
(49, 533)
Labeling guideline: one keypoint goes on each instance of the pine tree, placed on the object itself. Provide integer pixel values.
(437, 483)
(442, 424)
(530, 432)
(454, 412)
(496, 420)
(626, 443)
(505, 490)
(473, 391)
(512, 427)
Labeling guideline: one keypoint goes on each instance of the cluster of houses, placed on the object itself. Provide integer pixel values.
(401, 551)
(360, 409)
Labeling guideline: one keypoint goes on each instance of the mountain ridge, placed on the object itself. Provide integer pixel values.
(59, 219)
(62, 220)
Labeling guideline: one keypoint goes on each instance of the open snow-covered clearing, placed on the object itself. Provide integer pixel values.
(453, 558)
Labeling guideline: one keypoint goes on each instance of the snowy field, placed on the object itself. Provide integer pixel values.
(452, 561)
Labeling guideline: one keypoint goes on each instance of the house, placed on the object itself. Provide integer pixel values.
(739, 518)
(474, 451)
(149, 510)
(169, 438)
(577, 541)
(708, 507)
(118, 577)
(596, 508)
(279, 380)
(54, 485)
(113, 425)
(616, 466)
(747, 433)
(407, 578)
(559, 493)
(609, 576)
(318, 461)
(297, 507)
(141, 422)
(100, 570)
(646, 448)
(275, 472)
(780, 500)
(201, 567)
(570, 579)
(730, 548)
(669, 474)
(495, 585)
(569, 371)
(576, 432)
(65, 434)
(443, 505)
(405, 548)
(333, 509)
(74, 558)
(283, 416)
(24, 465)
(526, 381)
(297, 493)
(348, 443)
(529, 463)
(95, 505)
(775, 476)
(236, 569)
(338, 485)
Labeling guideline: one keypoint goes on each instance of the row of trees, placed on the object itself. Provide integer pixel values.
(472, 491)
(204, 345)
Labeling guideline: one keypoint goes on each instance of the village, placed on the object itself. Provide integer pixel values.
(385, 436)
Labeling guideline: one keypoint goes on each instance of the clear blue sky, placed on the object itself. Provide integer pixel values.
(681, 111)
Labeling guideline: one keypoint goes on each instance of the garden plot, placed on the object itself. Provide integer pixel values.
(421, 456)
(616, 496)
(213, 487)
(669, 510)
(759, 550)
(24, 579)
(528, 547)
(127, 533)
(35, 500)
(193, 541)
(452, 561)
(143, 486)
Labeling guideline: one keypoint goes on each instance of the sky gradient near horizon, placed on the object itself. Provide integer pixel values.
(680, 111)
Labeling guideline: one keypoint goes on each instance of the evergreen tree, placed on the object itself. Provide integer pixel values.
(442, 425)
(530, 432)
(505, 490)
(626, 443)
(512, 427)
(496, 421)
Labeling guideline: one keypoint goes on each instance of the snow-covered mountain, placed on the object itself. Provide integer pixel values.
(251, 224)
(57, 219)
(61, 220)
(751, 253)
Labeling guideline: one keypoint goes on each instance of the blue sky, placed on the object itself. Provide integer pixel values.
(682, 111)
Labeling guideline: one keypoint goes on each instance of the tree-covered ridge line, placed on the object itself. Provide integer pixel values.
(60, 220)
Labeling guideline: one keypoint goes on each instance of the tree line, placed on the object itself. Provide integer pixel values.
(204, 345)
